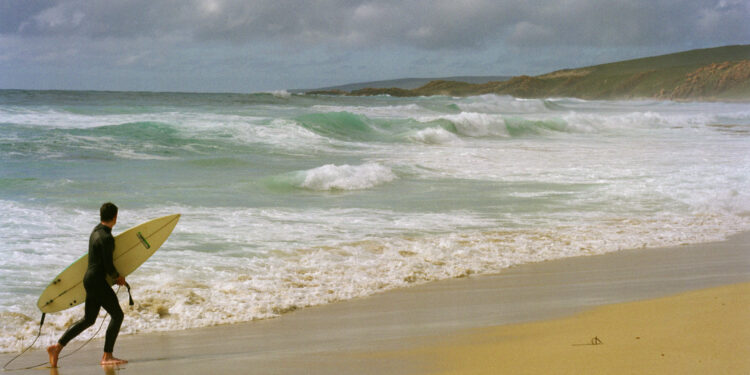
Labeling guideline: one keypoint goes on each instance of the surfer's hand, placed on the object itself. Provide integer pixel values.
(120, 281)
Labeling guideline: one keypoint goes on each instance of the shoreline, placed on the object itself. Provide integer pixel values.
(342, 337)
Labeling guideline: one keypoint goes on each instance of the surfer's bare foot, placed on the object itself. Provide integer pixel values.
(54, 354)
(108, 360)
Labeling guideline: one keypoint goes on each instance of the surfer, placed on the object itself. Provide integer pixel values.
(98, 292)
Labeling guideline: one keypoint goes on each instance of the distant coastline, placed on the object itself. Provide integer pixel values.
(721, 73)
(404, 83)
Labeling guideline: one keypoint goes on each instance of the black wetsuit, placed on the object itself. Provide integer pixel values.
(98, 292)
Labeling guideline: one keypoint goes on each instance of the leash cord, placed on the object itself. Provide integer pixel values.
(5, 367)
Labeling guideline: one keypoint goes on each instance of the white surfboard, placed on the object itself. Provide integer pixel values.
(132, 248)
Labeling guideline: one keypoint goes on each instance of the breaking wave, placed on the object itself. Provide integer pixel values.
(332, 177)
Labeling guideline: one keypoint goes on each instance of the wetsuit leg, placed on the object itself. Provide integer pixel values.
(109, 301)
(91, 309)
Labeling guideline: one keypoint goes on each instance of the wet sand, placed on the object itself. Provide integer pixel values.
(390, 333)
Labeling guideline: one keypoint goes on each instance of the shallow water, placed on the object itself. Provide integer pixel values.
(291, 201)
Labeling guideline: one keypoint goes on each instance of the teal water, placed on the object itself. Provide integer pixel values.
(291, 201)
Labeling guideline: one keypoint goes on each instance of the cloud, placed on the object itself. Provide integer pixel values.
(726, 18)
(242, 45)
(14, 12)
(525, 33)
(424, 24)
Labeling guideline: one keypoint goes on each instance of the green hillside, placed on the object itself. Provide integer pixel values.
(721, 73)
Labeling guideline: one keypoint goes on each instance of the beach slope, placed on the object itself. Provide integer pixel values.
(410, 331)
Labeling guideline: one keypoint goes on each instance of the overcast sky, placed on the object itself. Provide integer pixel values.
(262, 45)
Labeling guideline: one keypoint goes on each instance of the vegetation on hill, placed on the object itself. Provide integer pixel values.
(721, 73)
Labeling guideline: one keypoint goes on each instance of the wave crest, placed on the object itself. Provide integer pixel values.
(492, 103)
(434, 136)
(346, 177)
(341, 125)
(472, 124)
(281, 94)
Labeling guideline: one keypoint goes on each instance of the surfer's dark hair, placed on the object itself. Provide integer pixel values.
(108, 212)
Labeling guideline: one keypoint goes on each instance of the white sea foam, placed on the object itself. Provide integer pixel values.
(434, 136)
(502, 104)
(387, 111)
(632, 121)
(474, 124)
(213, 289)
(347, 177)
(48, 118)
(281, 133)
(283, 94)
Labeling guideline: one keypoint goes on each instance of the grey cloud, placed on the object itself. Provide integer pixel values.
(15, 12)
(628, 23)
(437, 24)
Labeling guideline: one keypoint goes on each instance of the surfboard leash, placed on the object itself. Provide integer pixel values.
(130, 296)
(41, 323)
(5, 367)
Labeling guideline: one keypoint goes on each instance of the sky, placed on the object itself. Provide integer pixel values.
(265, 45)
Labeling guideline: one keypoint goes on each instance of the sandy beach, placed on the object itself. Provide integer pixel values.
(699, 332)
(670, 310)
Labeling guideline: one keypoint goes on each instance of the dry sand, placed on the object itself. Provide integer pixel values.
(702, 332)
(439, 326)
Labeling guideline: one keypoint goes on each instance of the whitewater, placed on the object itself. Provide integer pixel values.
(293, 200)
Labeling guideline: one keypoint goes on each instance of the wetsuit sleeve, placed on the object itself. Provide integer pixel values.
(108, 250)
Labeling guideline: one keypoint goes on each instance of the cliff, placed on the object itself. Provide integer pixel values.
(721, 73)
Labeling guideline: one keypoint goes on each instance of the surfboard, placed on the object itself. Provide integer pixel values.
(132, 247)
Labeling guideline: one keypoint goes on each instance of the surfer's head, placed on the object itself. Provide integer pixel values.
(108, 212)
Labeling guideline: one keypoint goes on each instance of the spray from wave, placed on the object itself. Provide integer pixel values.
(332, 177)
(282, 94)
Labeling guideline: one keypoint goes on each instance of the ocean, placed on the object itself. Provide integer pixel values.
(292, 200)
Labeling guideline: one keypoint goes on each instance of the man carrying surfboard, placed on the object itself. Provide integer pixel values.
(98, 292)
